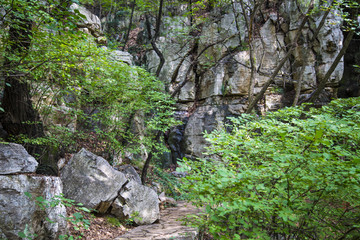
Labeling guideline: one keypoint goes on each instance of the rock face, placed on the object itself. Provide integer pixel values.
(213, 72)
(15, 159)
(122, 56)
(91, 180)
(16, 209)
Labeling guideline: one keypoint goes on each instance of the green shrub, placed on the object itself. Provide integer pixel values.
(114, 221)
(289, 175)
(77, 221)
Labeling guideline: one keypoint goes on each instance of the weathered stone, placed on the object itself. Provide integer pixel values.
(91, 180)
(138, 202)
(166, 201)
(130, 173)
(90, 21)
(205, 118)
(157, 187)
(218, 67)
(122, 56)
(17, 210)
(15, 159)
(179, 174)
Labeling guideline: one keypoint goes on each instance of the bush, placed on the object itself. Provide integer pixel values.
(288, 175)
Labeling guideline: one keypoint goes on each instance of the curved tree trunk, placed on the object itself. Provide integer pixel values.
(253, 103)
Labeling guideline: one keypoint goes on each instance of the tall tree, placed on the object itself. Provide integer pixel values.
(19, 116)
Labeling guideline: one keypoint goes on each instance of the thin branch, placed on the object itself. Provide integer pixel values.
(283, 61)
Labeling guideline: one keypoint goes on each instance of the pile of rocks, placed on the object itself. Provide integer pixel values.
(86, 178)
(91, 180)
(17, 211)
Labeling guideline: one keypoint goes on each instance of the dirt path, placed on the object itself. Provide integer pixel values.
(168, 228)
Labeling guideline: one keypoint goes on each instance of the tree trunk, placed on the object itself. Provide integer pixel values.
(130, 23)
(282, 62)
(19, 116)
(315, 94)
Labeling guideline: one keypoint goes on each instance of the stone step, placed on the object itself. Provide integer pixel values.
(170, 226)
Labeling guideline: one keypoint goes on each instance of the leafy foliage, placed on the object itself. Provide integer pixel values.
(289, 175)
(73, 81)
(77, 220)
(169, 183)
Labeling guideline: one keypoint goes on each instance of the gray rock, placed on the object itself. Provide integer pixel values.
(157, 187)
(179, 174)
(15, 159)
(122, 56)
(91, 180)
(130, 173)
(138, 202)
(17, 210)
(90, 21)
(166, 200)
(205, 118)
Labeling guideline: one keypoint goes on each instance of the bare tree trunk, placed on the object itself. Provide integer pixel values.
(130, 23)
(162, 61)
(149, 158)
(250, 27)
(19, 116)
(281, 64)
(155, 37)
(304, 55)
(315, 94)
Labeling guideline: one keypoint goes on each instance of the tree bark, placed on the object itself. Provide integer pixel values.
(149, 158)
(130, 23)
(315, 94)
(250, 27)
(155, 37)
(304, 55)
(281, 64)
(19, 116)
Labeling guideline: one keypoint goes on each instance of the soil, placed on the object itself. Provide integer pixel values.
(100, 228)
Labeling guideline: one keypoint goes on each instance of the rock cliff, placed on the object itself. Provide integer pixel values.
(208, 66)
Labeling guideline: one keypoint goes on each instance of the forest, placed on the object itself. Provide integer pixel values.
(247, 109)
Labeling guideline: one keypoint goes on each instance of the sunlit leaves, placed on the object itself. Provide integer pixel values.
(290, 174)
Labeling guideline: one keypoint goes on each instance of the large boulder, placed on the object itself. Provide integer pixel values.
(18, 211)
(89, 179)
(138, 202)
(15, 159)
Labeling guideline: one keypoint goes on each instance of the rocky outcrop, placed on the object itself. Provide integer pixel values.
(122, 56)
(90, 23)
(209, 69)
(91, 180)
(15, 159)
(17, 210)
